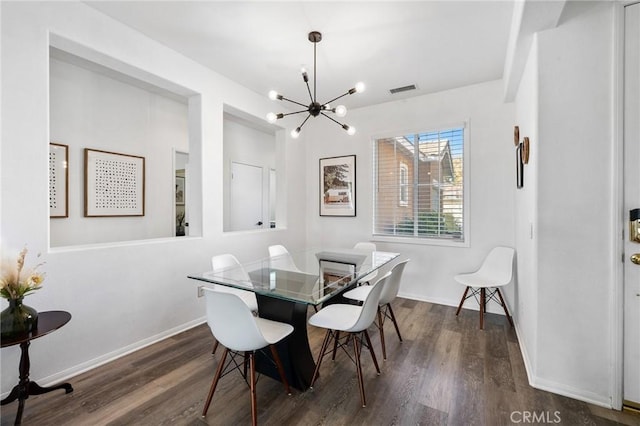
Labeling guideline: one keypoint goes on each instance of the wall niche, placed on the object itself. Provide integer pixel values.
(98, 108)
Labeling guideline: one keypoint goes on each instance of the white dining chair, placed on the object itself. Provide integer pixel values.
(233, 325)
(389, 293)
(230, 264)
(496, 271)
(281, 258)
(368, 247)
(354, 321)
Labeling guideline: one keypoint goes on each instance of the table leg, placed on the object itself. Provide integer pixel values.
(294, 351)
(25, 387)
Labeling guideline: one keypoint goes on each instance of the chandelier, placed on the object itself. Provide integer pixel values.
(315, 108)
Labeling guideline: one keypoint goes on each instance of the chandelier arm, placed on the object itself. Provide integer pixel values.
(294, 102)
(305, 120)
(336, 98)
(309, 90)
(335, 121)
(296, 112)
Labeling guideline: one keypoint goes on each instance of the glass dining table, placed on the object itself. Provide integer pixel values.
(285, 285)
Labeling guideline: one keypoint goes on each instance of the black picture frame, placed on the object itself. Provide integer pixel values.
(338, 186)
(519, 167)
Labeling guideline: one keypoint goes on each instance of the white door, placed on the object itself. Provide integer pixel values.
(631, 391)
(245, 197)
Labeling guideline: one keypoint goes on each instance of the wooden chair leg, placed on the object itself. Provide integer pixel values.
(276, 358)
(373, 354)
(323, 348)
(356, 349)
(214, 383)
(215, 346)
(252, 386)
(381, 327)
(335, 346)
(504, 306)
(464, 296)
(395, 323)
(483, 306)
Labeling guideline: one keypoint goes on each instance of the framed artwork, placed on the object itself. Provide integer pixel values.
(58, 180)
(338, 186)
(113, 184)
(525, 150)
(180, 190)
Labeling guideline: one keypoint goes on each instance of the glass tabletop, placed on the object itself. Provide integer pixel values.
(310, 276)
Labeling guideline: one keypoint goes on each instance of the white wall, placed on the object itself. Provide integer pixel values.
(429, 275)
(565, 101)
(125, 295)
(575, 202)
(526, 225)
(90, 110)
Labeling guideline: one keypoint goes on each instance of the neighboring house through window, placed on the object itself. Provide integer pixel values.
(419, 185)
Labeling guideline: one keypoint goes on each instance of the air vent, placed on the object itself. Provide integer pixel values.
(403, 89)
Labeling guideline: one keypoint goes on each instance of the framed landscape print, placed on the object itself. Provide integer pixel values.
(113, 184)
(58, 180)
(338, 186)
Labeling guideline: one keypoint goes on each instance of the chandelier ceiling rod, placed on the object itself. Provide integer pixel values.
(315, 108)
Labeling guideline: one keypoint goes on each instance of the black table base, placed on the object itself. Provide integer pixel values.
(294, 351)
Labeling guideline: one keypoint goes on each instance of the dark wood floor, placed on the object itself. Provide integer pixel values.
(446, 372)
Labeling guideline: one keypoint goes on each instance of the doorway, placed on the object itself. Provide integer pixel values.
(631, 147)
(180, 185)
(246, 197)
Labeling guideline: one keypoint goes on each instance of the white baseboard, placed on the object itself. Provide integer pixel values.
(76, 370)
(571, 392)
(492, 308)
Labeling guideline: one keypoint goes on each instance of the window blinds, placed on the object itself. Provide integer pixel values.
(418, 185)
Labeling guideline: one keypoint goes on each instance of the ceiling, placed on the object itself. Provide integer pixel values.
(435, 45)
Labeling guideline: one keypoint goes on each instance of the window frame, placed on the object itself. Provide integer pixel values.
(466, 204)
(403, 185)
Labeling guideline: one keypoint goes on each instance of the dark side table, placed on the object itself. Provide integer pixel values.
(48, 322)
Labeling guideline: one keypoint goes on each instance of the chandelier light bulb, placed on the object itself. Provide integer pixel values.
(273, 95)
(295, 133)
(360, 87)
(341, 110)
(351, 131)
(272, 117)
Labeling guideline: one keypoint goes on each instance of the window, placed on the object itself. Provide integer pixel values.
(419, 185)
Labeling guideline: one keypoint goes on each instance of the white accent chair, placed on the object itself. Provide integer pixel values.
(354, 321)
(233, 325)
(389, 292)
(496, 271)
(369, 248)
(228, 262)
